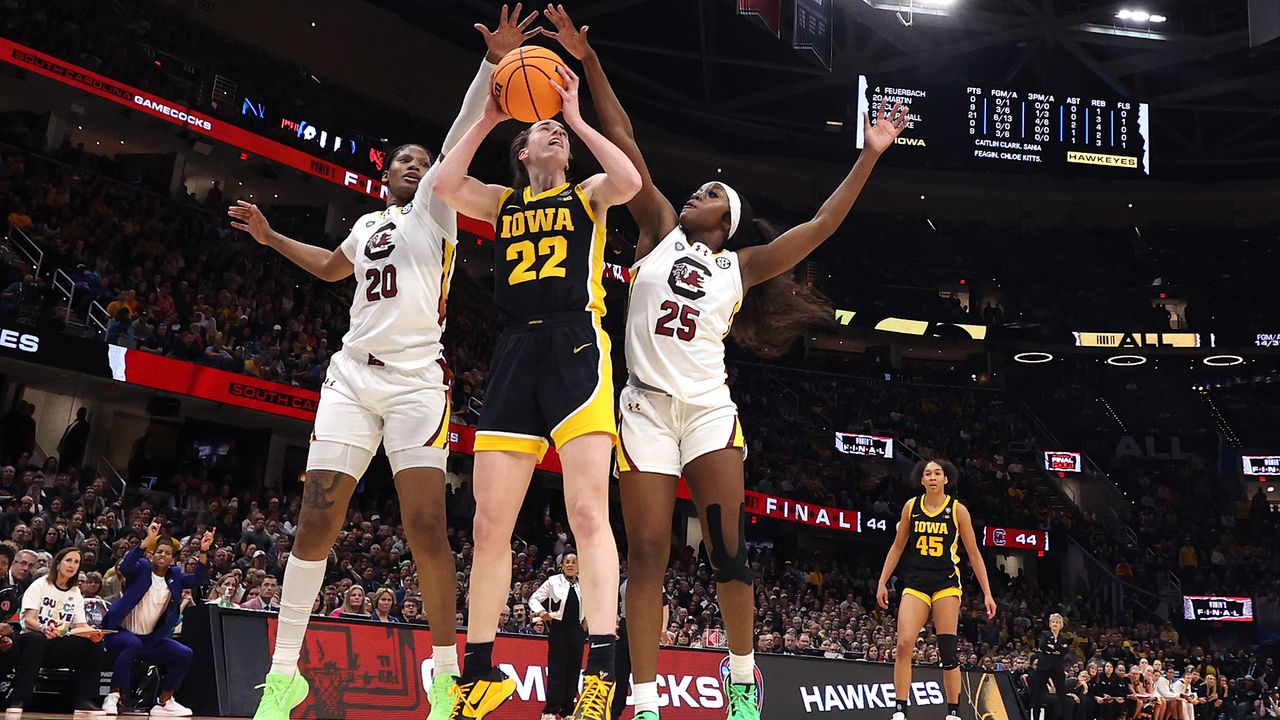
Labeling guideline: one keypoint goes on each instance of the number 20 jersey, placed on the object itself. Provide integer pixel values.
(683, 300)
(403, 258)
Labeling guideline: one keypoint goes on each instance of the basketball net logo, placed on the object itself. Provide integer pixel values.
(759, 678)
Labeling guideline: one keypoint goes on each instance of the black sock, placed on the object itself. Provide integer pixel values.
(901, 707)
(600, 654)
(954, 709)
(478, 661)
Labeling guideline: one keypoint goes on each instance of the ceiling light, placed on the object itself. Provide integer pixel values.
(1033, 358)
(1140, 16)
(1124, 14)
(1223, 360)
(1158, 18)
(1126, 360)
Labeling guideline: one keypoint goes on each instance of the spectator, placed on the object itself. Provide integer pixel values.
(147, 613)
(353, 605)
(384, 606)
(56, 633)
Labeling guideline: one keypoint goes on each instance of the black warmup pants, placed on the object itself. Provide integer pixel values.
(36, 651)
(564, 664)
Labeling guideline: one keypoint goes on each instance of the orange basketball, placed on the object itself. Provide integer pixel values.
(522, 84)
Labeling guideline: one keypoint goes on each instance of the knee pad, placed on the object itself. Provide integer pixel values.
(338, 457)
(729, 568)
(947, 652)
(417, 457)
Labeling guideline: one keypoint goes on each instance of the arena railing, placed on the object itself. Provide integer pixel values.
(19, 241)
(1098, 495)
(63, 283)
(1109, 596)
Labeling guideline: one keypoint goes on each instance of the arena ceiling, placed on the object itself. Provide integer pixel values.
(696, 68)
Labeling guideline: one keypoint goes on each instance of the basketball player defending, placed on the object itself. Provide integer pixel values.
(550, 378)
(692, 273)
(929, 533)
(389, 384)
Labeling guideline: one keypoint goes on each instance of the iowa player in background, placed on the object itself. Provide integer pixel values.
(695, 270)
(550, 379)
(927, 544)
(388, 385)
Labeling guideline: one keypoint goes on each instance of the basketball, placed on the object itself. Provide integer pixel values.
(522, 84)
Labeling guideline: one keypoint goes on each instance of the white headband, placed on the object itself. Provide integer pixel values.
(735, 207)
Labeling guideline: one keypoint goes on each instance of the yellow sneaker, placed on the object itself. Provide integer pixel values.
(478, 698)
(280, 694)
(596, 698)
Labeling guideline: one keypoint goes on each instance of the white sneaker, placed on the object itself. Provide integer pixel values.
(111, 704)
(952, 717)
(548, 716)
(13, 712)
(899, 716)
(173, 708)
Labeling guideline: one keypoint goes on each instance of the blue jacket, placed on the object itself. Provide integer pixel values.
(137, 572)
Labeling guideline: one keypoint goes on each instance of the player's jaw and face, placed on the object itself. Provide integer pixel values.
(934, 479)
(707, 212)
(546, 148)
(404, 171)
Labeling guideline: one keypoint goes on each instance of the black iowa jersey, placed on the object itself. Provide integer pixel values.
(548, 254)
(932, 546)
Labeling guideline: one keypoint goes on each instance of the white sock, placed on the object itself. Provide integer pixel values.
(645, 696)
(742, 669)
(302, 580)
(446, 659)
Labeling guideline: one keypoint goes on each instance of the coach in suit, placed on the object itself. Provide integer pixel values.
(146, 615)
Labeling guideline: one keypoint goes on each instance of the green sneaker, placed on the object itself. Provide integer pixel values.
(280, 694)
(742, 702)
(440, 696)
(646, 715)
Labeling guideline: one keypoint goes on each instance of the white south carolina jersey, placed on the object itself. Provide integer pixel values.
(683, 299)
(403, 259)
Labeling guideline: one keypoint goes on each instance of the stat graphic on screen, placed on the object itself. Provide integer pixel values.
(1015, 539)
(1261, 464)
(1216, 607)
(988, 128)
(869, 445)
(1058, 461)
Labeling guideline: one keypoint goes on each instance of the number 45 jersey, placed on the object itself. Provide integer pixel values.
(403, 258)
(683, 300)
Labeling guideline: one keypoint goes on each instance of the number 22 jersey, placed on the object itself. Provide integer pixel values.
(683, 300)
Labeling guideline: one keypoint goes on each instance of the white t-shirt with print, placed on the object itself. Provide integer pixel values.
(54, 606)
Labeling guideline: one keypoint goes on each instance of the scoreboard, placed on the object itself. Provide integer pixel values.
(1217, 607)
(869, 445)
(1260, 464)
(980, 127)
(1015, 539)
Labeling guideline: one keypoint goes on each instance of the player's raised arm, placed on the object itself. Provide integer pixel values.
(764, 262)
(452, 184)
(510, 34)
(620, 180)
(651, 209)
(328, 265)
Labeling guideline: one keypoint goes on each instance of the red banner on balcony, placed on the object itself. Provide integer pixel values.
(769, 12)
(156, 106)
(797, 511)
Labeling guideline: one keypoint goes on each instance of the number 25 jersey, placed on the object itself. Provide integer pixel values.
(548, 254)
(683, 300)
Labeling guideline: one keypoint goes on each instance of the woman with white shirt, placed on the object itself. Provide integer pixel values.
(56, 633)
(558, 603)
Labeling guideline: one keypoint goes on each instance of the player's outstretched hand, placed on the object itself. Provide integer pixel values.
(888, 126)
(568, 95)
(248, 218)
(573, 38)
(510, 33)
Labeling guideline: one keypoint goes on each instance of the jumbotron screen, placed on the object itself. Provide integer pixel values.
(1217, 607)
(983, 127)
